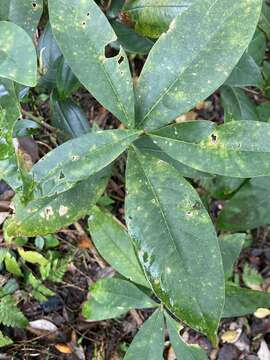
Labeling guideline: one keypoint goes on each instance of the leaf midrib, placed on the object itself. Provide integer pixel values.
(192, 60)
(171, 237)
(97, 54)
(60, 165)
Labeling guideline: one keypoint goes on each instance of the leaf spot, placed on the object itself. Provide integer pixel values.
(48, 211)
(63, 210)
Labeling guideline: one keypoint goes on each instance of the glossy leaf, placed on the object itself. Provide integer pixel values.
(48, 54)
(68, 117)
(130, 40)
(66, 81)
(79, 158)
(111, 298)
(237, 105)
(48, 215)
(241, 301)
(153, 17)
(24, 13)
(248, 208)
(264, 23)
(230, 247)
(17, 55)
(115, 245)
(257, 47)
(246, 73)
(9, 113)
(182, 350)
(221, 187)
(146, 145)
(171, 87)
(148, 344)
(75, 24)
(235, 149)
(170, 226)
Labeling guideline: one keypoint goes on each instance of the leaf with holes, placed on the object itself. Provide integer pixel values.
(75, 24)
(79, 158)
(209, 52)
(47, 215)
(24, 13)
(170, 226)
(236, 149)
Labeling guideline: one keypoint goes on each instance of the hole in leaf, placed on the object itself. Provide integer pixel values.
(62, 175)
(83, 23)
(88, 14)
(34, 5)
(120, 60)
(110, 52)
(213, 138)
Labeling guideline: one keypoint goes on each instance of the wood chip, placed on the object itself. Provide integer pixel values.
(64, 348)
(231, 336)
(262, 313)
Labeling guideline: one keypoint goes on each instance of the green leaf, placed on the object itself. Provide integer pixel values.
(230, 247)
(4, 340)
(32, 257)
(79, 158)
(246, 73)
(12, 265)
(148, 344)
(115, 245)
(9, 113)
(39, 291)
(182, 350)
(146, 145)
(239, 215)
(48, 215)
(56, 267)
(66, 81)
(17, 55)
(68, 117)
(264, 23)
(170, 227)
(241, 301)
(113, 297)
(130, 40)
(201, 51)
(221, 187)
(263, 111)
(235, 149)
(10, 315)
(252, 278)
(48, 54)
(75, 24)
(153, 17)
(257, 47)
(24, 13)
(237, 105)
